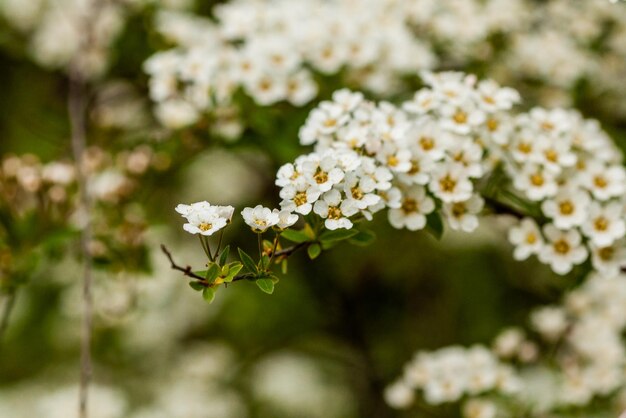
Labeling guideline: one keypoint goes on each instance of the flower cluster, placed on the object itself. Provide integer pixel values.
(449, 374)
(572, 169)
(437, 151)
(583, 358)
(272, 49)
(410, 159)
(268, 50)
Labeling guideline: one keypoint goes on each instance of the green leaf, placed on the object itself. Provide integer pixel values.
(434, 224)
(248, 262)
(212, 273)
(233, 270)
(314, 251)
(224, 255)
(284, 266)
(196, 286)
(266, 285)
(363, 238)
(295, 236)
(338, 235)
(208, 294)
(201, 273)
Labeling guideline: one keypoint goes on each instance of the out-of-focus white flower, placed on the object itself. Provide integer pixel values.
(563, 249)
(463, 215)
(527, 239)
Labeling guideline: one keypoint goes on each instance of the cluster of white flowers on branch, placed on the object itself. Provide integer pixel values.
(267, 50)
(578, 355)
(453, 151)
(273, 50)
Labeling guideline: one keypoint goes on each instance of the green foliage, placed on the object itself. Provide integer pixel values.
(208, 294)
(266, 285)
(248, 262)
(314, 250)
(296, 236)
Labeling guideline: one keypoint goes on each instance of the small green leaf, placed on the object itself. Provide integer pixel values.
(224, 255)
(295, 236)
(212, 273)
(201, 273)
(248, 262)
(338, 235)
(233, 270)
(266, 285)
(283, 266)
(434, 224)
(208, 294)
(363, 238)
(196, 286)
(314, 251)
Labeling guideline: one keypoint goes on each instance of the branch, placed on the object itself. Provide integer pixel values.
(501, 208)
(185, 270)
(290, 250)
(188, 272)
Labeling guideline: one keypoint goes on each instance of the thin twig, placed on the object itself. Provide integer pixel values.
(188, 272)
(501, 208)
(185, 270)
(77, 108)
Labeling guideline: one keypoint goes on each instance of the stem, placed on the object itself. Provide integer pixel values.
(274, 248)
(219, 243)
(260, 240)
(6, 312)
(205, 246)
(77, 109)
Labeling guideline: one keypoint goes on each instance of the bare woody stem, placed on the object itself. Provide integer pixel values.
(188, 272)
(77, 108)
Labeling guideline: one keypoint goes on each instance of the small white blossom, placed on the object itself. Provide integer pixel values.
(527, 239)
(260, 218)
(563, 249)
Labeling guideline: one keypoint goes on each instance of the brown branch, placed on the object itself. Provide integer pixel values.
(188, 272)
(290, 250)
(501, 208)
(77, 108)
(185, 270)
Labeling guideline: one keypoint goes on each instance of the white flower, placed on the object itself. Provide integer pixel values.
(567, 209)
(605, 182)
(413, 210)
(299, 197)
(549, 321)
(360, 190)
(462, 215)
(527, 239)
(605, 224)
(451, 184)
(203, 218)
(323, 172)
(285, 218)
(478, 408)
(563, 250)
(399, 395)
(536, 182)
(260, 218)
(609, 259)
(334, 210)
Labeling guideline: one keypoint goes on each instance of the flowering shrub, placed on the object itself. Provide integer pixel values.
(291, 129)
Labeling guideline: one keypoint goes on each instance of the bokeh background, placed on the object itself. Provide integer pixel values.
(337, 330)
